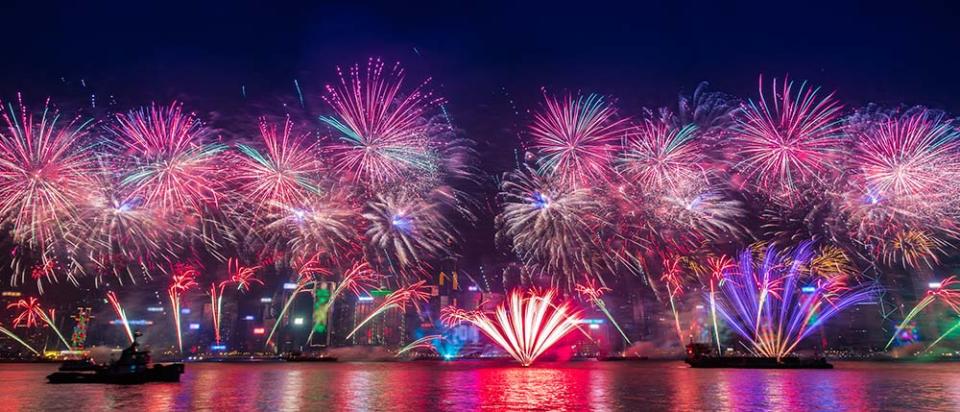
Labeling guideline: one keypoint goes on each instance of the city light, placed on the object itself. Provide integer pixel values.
(591, 321)
(185, 311)
(194, 326)
(365, 299)
(11, 293)
(258, 331)
(139, 322)
(289, 286)
(473, 288)
(808, 289)
(155, 309)
(218, 347)
(248, 317)
(298, 321)
(266, 300)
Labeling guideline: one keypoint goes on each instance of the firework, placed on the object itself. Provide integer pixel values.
(356, 279)
(173, 168)
(407, 229)
(426, 342)
(717, 268)
(32, 313)
(907, 158)
(944, 335)
(525, 326)
(325, 225)
(551, 225)
(945, 292)
(284, 173)
(413, 294)
(183, 278)
(13, 336)
(46, 172)
(595, 293)
(577, 137)
(121, 314)
(242, 276)
(307, 275)
(788, 140)
(900, 198)
(765, 304)
(29, 312)
(674, 284)
(385, 131)
(662, 158)
(120, 235)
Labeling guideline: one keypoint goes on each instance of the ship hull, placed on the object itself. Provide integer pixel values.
(158, 373)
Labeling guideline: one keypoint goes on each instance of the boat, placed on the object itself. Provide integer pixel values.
(78, 365)
(132, 368)
(700, 355)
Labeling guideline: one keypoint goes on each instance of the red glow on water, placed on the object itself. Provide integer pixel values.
(495, 385)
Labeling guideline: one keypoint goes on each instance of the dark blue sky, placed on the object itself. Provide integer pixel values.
(478, 52)
(640, 52)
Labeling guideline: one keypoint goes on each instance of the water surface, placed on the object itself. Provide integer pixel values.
(482, 385)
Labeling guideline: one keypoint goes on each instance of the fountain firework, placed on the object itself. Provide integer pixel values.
(525, 326)
(765, 304)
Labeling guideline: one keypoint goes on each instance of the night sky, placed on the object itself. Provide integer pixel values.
(489, 59)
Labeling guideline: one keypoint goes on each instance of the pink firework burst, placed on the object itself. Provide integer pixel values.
(385, 131)
(172, 166)
(662, 158)
(577, 137)
(789, 139)
(282, 173)
(46, 173)
(905, 172)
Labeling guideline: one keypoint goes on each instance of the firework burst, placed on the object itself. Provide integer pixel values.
(788, 139)
(386, 132)
(407, 230)
(282, 172)
(29, 309)
(662, 158)
(46, 172)
(173, 167)
(550, 224)
(577, 138)
(594, 293)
